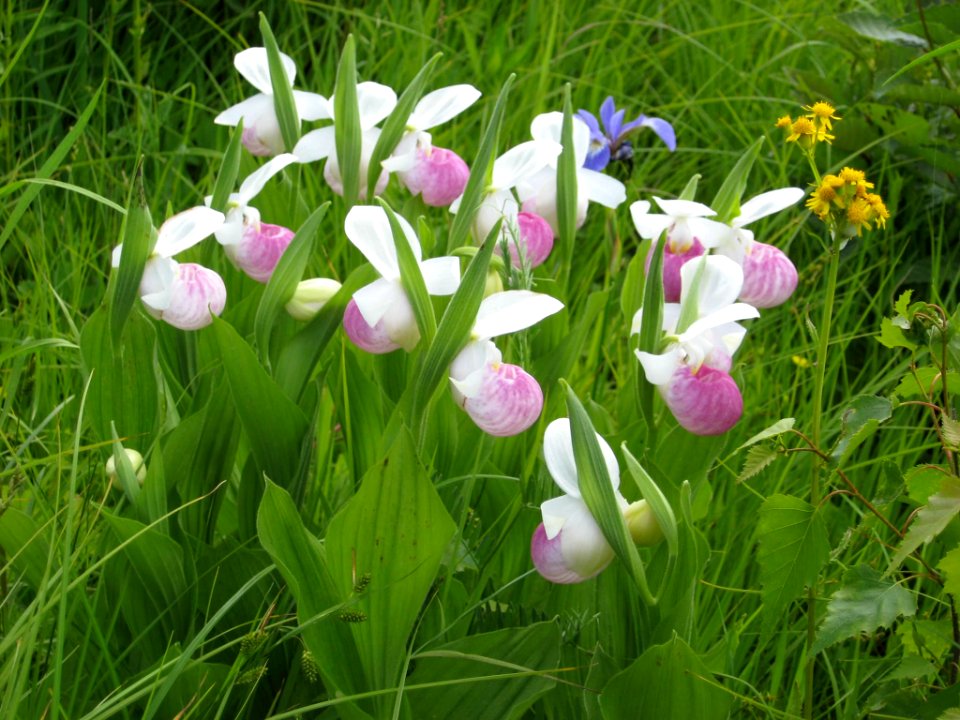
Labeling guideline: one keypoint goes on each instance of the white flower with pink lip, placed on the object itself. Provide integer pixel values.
(692, 372)
(185, 295)
(769, 278)
(436, 174)
(379, 318)
(254, 246)
(261, 129)
(538, 193)
(502, 399)
(689, 230)
(375, 102)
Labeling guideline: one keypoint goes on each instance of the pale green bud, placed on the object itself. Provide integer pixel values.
(642, 525)
(494, 283)
(310, 296)
(136, 460)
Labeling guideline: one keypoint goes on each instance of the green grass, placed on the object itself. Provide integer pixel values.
(84, 634)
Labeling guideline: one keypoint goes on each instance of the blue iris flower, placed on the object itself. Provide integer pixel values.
(611, 142)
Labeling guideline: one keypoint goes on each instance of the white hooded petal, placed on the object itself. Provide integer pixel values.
(441, 105)
(368, 228)
(255, 181)
(404, 155)
(522, 161)
(158, 276)
(507, 312)
(186, 229)
(441, 275)
(684, 208)
(315, 145)
(374, 300)
(768, 203)
(600, 188)
(376, 101)
(255, 67)
(311, 106)
(558, 453)
(556, 511)
(466, 370)
(660, 368)
(249, 110)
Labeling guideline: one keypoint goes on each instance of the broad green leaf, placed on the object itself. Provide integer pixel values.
(864, 603)
(411, 278)
(473, 191)
(283, 102)
(360, 412)
(395, 531)
(597, 492)
(778, 428)
(532, 648)
(137, 239)
(931, 520)
(926, 382)
(275, 427)
(892, 336)
(726, 203)
(302, 561)
(793, 546)
(283, 282)
(667, 681)
(758, 457)
(860, 419)
(229, 170)
(926, 637)
(396, 123)
(567, 182)
(26, 543)
(50, 165)
(879, 27)
(923, 481)
(348, 137)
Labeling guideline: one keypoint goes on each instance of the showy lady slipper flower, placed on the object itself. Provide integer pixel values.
(510, 169)
(376, 102)
(769, 278)
(185, 295)
(379, 318)
(692, 372)
(502, 399)
(261, 129)
(255, 247)
(610, 143)
(436, 174)
(689, 232)
(539, 193)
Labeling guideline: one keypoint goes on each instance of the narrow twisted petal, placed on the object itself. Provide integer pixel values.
(672, 263)
(768, 203)
(194, 296)
(508, 402)
(769, 277)
(534, 236)
(438, 175)
(258, 253)
(372, 339)
(572, 556)
(707, 402)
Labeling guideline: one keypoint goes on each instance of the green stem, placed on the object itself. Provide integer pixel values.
(822, 348)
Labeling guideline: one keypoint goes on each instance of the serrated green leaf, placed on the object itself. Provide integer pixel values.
(778, 428)
(411, 278)
(923, 481)
(726, 203)
(931, 638)
(950, 429)
(758, 457)
(229, 170)
(793, 546)
(283, 281)
(136, 242)
(346, 129)
(892, 336)
(567, 181)
(950, 565)
(931, 520)
(878, 27)
(926, 382)
(396, 123)
(860, 419)
(902, 305)
(865, 602)
(283, 102)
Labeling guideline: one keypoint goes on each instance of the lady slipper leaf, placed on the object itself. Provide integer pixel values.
(283, 102)
(567, 181)
(136, 239)
(395, 125)
(229, 170)
(347, 130)
(651, 328)
(283, 282)
(655, 499)
(727, 200)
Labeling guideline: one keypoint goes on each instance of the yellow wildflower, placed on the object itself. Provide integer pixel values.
(785, 122)
(823, 113)
(879, 209)
(859, 214)
(803, 132)
(855, 177)
(822, 199)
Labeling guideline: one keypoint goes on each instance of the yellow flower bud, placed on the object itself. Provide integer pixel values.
(310, 296)
(642, 525)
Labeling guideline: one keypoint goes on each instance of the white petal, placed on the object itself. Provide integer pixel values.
(600, 188)
(404, 155)
(368, 228)
(649, 227)
(442, 105)
(249, 109)
(558, 453)
(556, 511)
(684, 208)
(522, 161)
(720, 282)
(375, 299)
(729, 314)
(311, 106)
(660, 368)
(315, 145)
(254, 66)
(155, 287)
(115, 256)
(768, 203)
(255, 181)
(513, 310)
(441, 275)
(671, 316)
(549, 126)
(466, 370)
(376, 101)
(710, 233)
(186, 229)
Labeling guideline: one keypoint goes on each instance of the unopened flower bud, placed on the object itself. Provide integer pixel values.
(643, 526)
(310, 296)
(494, 283)
(136, 461)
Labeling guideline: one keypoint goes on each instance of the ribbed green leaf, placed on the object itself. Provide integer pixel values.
(651, 329)
(726, 203)
(283, 282)
(229, 170)
(396, 124)
(655, 498)
(137, 240)
(347, 132)
(597, 492)
(567, 182)
(932, 519)
(283, 102)
(473, 192)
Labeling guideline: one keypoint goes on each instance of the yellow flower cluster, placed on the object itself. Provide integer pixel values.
(844, 201)
(807, 130)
